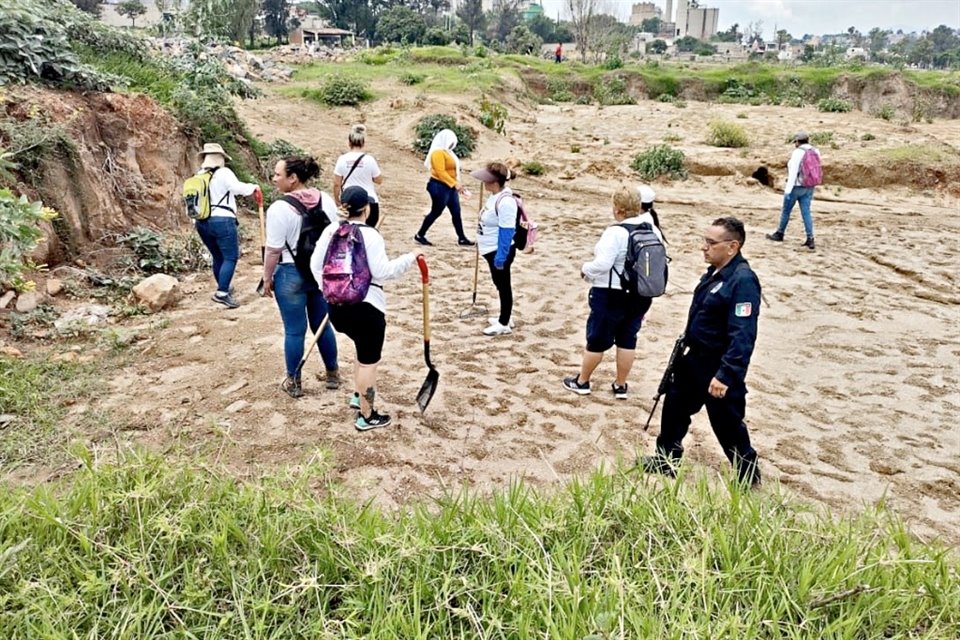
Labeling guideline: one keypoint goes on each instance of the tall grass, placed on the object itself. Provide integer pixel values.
(144, 550)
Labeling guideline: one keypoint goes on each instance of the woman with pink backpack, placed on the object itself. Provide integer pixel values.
(351, 264)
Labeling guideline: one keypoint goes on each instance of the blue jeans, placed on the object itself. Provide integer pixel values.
(219, 235)
(803, 195)
(442, 197)
(298, 303)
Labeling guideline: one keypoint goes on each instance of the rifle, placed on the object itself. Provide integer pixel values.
(678, 348)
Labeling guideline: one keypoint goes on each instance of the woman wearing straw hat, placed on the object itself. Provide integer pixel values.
(219, 231)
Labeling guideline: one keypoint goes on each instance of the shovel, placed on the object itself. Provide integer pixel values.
(263, 246)
(475, 311)
(433, 376)
(313, 343)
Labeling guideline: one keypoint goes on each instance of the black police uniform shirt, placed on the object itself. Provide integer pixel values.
(722, 324)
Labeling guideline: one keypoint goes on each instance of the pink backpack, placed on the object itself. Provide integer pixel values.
(346, 271)
(526, 234)
(811, 173)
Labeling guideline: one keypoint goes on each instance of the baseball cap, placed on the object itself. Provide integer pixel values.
(800, 135)
(355, 199)
(646, 194)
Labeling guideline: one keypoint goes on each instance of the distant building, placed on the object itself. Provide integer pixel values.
(693, 20)
(314, 31)
(856, 52)
(642, 11)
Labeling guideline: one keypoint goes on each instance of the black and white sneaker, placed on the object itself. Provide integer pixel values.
(419, 239)
(373, 421)
(573, 384)
(619, 391)
(225, 299)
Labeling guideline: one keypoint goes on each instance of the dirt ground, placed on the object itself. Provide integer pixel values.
(853, 386)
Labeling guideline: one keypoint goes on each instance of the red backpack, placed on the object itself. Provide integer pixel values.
(811, 172)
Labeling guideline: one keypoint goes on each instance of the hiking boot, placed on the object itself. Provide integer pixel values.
(226, 299)
(810, 244)
(354, 401)
(657, 464)
(333, 378)
(373, 421)
(464, 242)
(419, 239)
(292, 387)
(497, 329)
(619, 391)
(496, 320)
(776, 236)
(573, 384)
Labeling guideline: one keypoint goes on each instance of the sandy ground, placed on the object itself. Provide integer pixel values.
(853, 385)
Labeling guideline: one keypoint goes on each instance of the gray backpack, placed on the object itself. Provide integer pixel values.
(645, 270)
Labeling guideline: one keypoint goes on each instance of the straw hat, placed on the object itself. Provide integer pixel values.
(211, 148)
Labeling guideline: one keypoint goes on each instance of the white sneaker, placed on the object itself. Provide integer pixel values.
(496, 320)
(497, 329)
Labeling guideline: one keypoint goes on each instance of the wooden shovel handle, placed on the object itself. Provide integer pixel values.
(425, 277)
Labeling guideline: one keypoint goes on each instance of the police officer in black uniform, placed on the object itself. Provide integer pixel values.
(720, 335)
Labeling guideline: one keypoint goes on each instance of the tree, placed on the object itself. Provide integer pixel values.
(401, 24)
(651, 25)
(522, 40)
(132, 9)
(581, 15)
(657, 46)
(471, 12)
(855, 36)
(808, 53)
(504, 19)
(754, 32)
(783, 36)
(544, 27)
(90, 6)
(878, 39)
(943, 39)
(687, 44)
(359, 16)
(730, 35)
(275, 13)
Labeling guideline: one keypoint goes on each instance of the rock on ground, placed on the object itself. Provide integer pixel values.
(158, 291)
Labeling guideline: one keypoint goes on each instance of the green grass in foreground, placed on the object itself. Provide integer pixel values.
(144, 550)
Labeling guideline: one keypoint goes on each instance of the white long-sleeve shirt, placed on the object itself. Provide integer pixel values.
(793, 166)
(382, 268)
(611, 252)
(224, 187)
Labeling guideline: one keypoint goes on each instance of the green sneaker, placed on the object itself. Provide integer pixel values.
(354, 401)
(373, 421)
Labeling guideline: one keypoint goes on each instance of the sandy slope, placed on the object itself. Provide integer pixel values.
(853, 385)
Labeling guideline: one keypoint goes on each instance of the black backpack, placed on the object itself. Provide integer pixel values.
(645, 270)
(313, 222)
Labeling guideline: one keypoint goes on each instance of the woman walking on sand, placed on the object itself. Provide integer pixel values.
(444, 187)
(357, 167)
(615, 315)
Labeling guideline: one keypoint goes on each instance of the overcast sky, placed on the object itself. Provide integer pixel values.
(814, 16)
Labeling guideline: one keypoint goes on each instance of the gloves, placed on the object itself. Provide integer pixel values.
(504, 240)
(258, 196)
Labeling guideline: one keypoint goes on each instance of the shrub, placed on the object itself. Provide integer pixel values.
(834, 105)
(410, 78)
(742, 116)
(574, 148)
(612, 61)
(672, 137)
(821, 138)
(885, 112)
(666, 97)
(584, 100)
(153, 255)
(340, 91)
(727, 134)
(559, 91)
(867, 137)
(436, 36)
(659, 160)
(429, 126)
(19, 234)
(533, 168)
(493, 115)
(612, 91)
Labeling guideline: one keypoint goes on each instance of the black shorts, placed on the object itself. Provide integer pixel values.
(615, 319)
(365, 325)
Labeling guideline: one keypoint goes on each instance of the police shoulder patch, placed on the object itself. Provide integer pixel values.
(743, 309)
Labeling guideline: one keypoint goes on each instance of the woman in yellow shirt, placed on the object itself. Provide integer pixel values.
(444, 187)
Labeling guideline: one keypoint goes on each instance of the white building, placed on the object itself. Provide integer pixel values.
(641, 11)
(694, 20)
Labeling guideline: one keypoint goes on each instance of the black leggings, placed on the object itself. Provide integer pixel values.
(501, 280)
(442, 197)
(374, 216)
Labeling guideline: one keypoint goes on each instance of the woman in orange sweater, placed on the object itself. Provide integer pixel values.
(444, 187)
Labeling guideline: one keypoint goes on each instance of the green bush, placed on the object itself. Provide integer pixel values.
(339, 90)
(429, 126)
(559, 91)
(493, 115)
(885, 112)
(410, 78)
(659, 160)
(867, 137)
(612, 91)
(727, 134)
(19, 233)
(585, 99)
(533, 168)
(821, 138)
(612, 61)
(835, 105)
(742, 116)
(153, 255)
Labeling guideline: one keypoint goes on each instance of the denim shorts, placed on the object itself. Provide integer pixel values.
(615, 319)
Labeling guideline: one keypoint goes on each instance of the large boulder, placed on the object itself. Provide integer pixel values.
(158, 291)
(28, 301)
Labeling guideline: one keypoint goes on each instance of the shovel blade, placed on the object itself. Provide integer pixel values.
(429, 387)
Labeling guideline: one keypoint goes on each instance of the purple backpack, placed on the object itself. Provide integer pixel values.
(346, 272)
(811, 172)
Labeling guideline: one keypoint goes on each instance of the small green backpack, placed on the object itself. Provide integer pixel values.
(196, 195)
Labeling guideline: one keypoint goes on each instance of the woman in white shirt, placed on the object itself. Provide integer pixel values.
(498, 224)
(615, 316)
(365, 322)
(298, 295)
(219, 231)
(356, 167)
